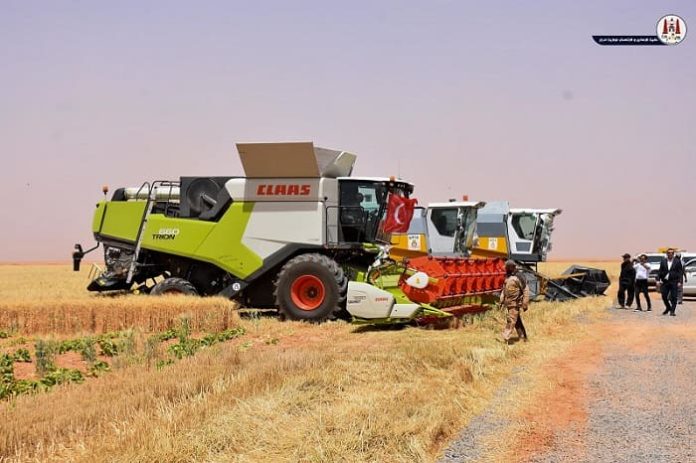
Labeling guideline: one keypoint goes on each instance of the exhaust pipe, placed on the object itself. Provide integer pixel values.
(77, 256)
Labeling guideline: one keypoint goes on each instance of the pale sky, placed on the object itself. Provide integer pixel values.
(497, 100)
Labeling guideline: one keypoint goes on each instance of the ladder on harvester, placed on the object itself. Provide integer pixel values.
(151, 199)
(143, 223)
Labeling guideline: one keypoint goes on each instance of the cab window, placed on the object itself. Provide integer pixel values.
(445, 221)
(524, 225)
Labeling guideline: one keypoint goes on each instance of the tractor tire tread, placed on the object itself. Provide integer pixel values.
(174, 284)
(327, 263)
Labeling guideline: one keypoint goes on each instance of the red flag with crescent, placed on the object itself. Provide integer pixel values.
(399, 213)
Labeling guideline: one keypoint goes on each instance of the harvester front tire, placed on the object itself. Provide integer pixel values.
(174, 286)
(311, 287)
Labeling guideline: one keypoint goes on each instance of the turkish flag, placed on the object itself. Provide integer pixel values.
(399, 213)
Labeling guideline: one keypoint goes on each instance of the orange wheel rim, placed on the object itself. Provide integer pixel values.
(307, 292)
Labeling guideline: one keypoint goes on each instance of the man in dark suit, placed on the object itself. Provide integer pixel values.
(670, 274)
(627, 281)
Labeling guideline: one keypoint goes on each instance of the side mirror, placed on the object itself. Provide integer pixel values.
(77, 256)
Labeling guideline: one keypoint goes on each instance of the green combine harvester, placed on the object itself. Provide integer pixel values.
(297, 233)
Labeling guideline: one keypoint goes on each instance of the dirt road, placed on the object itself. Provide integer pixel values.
(625, 393)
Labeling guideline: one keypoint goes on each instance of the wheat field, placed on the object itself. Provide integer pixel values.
(282, 391)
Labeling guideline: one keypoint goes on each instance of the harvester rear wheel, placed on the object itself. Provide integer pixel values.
(311, 287)
(174, 286)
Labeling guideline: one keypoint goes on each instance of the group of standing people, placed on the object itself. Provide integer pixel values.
(633, 280)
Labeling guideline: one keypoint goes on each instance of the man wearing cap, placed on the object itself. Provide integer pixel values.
(642, 272)
(514, 298)
(670, 274)
(627, 280)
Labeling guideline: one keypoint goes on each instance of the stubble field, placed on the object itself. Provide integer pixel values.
(190, 379)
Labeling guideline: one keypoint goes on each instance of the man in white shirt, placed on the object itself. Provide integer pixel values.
(642, 271)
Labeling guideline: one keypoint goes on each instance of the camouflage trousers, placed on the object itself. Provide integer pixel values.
(514, 323)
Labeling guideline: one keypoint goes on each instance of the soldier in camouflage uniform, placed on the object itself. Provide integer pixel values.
(515, 298)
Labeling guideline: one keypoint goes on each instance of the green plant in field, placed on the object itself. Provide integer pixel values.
(185, 347)
(6, 369)
(184, 328)
(188, 346)
(76, 345)
(166, 335)
(18, 341)
(88, 350)
(9, 386)
(246, 345)
(222, 336)
(113, 344)
(4, 334)
(231, 333)
(151, 349)
(45, 352)
(7, 378)
(98, 367)
(22, 355)
(69, 345)
(163, 363)
(62, 375)
(6, 390)
(27, 386)
(108, 346)
(126, 345)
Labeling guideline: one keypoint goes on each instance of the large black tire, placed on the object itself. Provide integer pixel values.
(311, 287)
(174, 286)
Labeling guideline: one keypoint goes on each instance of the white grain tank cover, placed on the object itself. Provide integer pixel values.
(293, 159)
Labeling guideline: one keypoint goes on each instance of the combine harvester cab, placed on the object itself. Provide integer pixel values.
(441, 229)
(523, 235)
(283, 236)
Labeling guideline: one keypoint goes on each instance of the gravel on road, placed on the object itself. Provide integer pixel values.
(639, 402)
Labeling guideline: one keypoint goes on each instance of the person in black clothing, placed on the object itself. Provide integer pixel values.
(627, 280)
(669, 275)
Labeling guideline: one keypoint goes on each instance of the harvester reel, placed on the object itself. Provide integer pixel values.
(311, 287)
